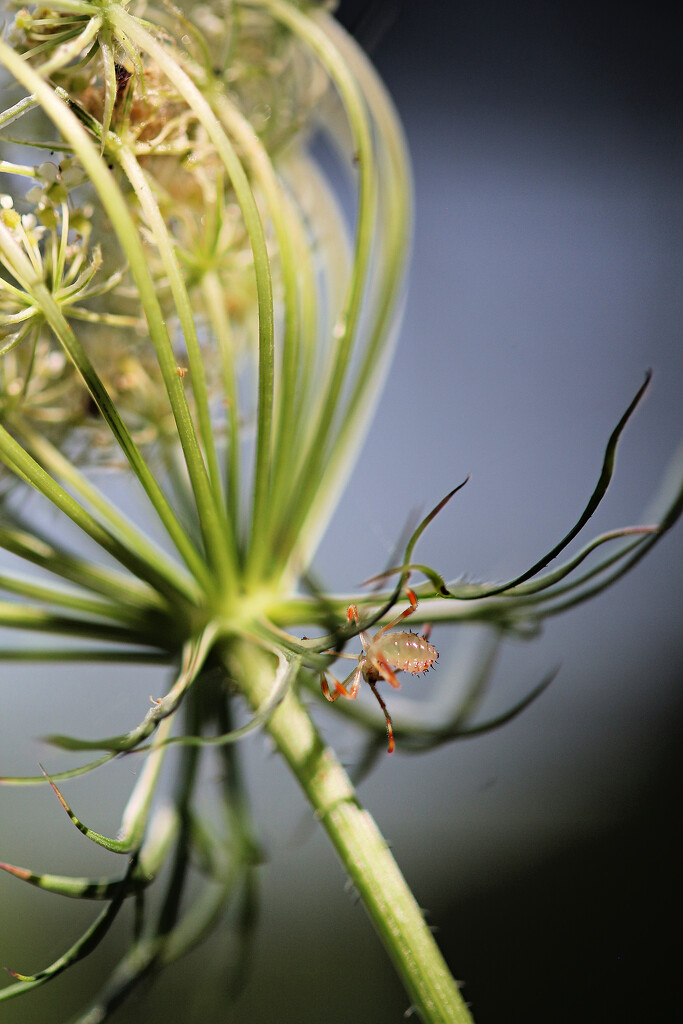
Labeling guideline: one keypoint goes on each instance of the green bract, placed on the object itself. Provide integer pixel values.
(185, 298)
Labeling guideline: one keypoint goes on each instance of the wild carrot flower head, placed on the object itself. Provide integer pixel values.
(202, 248)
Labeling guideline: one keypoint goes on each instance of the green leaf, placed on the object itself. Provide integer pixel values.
(41, 780)
(194, 655)
(593, 502)
(89, 941)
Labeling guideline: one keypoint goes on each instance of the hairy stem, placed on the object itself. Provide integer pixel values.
(363, 851)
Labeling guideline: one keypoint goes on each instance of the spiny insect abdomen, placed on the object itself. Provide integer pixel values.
(405, 652)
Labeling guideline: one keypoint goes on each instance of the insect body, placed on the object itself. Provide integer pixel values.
(384, 654)
(122, 74)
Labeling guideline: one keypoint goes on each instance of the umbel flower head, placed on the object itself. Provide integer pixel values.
(186, 296)
(46, 259)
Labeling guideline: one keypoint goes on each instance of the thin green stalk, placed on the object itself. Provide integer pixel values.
(20, 462)
(395, 199)
(73, 7)
(81, 948)
(136, 812)
(61, 467)
(109, 78)
(21, 616)
(65, 53)
(220, 324)
(390, 257)
(150, 208)
(363, 851)
(286, 412)
(245, 197)
(109, 655)
(69, 599)
(307, 486)
(88, 575)
(322, 243)
(15, 111)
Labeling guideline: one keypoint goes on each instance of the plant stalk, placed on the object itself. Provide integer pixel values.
(355, 836)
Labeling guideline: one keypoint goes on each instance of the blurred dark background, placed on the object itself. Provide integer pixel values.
(548, 156)
(547, 150)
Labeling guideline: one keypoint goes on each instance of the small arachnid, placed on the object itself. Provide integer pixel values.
(122, 74)
(384, 654)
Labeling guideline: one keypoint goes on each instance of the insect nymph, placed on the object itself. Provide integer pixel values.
(384, 654)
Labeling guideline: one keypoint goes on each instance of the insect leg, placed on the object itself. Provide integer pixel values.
(390, 728)
(342, 689)
(386, 671)
(352, 614)
(403, 615)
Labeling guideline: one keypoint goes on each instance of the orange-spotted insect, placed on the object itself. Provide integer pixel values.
(383, 656)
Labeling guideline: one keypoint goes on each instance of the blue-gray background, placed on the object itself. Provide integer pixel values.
(545, 279)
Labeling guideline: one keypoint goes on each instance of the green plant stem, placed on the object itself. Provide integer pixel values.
(362, 849)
